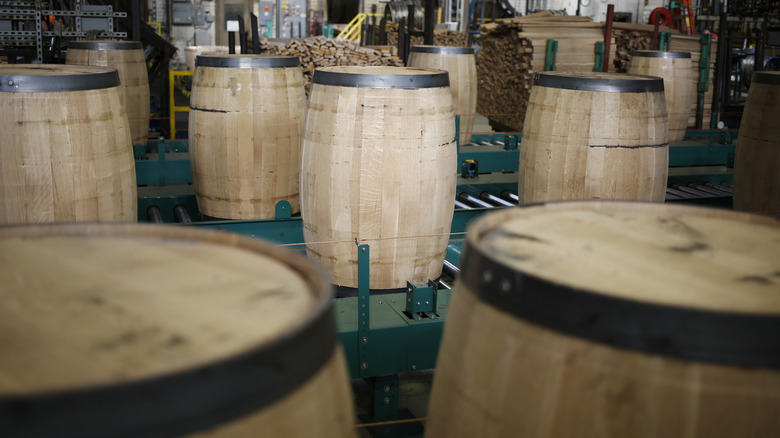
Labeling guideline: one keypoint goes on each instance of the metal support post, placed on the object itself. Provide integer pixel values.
(428, 21)
(599, 64)
(363, 307)
(550, 55)
(384, 391)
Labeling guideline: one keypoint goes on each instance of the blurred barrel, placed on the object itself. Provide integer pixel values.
(462, 67)
(379, 166)
(679, 87)
(594, 135)
(757, 161)
(66, 153)
(129, 59)
(612, 319)
(131, 330)
(246, 120)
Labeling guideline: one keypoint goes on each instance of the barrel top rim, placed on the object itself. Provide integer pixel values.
(222, 60)
(311, 338)
(660, 54)
(361, 77)
(590, 311)
(22, 78)
(767, 77)
(442, 49)
(600, 82)
(105, 45)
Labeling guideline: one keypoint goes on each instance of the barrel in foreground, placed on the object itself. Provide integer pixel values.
(158, 331)
(612, 319)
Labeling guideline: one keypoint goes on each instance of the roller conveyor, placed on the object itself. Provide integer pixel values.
(470, 200)
(495, 200)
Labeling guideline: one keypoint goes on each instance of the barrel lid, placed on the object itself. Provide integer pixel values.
(603, 82)
(151, 331)
(660, 54)
(246, 61)
(26, 78)
(381, 77)
(685, 282)
(444, 50)
(767, 77)
(105, 45)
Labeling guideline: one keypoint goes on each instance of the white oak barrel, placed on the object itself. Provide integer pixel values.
(379, 166)
(142, 330)
(66, 153)
(129, 59)
(757, 161)
(594, 135)
(679, 86)
(246, 122)
(612, 319)
(461, 64)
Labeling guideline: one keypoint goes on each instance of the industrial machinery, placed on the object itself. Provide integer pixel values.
(401, 331)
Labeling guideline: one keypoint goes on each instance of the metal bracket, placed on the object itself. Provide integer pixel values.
(598, 65)
(510, 142)
(363, 307)
(421, 300)
(283, 210)
(385, 395)
(550, 54)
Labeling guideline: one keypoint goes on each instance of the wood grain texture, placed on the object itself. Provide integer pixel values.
(245, 140)
(131, 65)
(463, 84)
(379, 164)
(679, 88)
(501, 376)
(143, 301)
(757, 161)
(586, 144)
(65, 156)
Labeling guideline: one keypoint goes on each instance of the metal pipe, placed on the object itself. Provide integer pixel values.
(693, 192)
(181, 214)
(444, 284)
(727, 184)
(714, 192)
(509, 196)
(459, 204)
(721, 188)
(153, 214)
(487, 197)
(465, 197)
(450, 269)
(483, 143)
(678, 193)
(671, 196)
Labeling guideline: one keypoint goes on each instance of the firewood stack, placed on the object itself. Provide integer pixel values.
(441, 37)
(515, 48)
(627, 42)
(504, 74)
(324, 52)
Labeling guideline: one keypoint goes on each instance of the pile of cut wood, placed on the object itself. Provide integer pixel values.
(441, 37)
(515, 48)
(626, 42)
(324, 52)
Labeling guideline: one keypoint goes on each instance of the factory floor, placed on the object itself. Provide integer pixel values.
(413, 392)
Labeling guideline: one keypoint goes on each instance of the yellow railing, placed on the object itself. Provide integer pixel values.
(175, 81)
(354, 29)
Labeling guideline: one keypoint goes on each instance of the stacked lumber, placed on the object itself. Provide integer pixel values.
(515, 48)
(628, 39)
(324, 52)
(441, 37)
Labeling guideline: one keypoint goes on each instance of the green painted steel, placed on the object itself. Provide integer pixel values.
(384, 392)
(364, 310)
(551, 53)
(598, 65)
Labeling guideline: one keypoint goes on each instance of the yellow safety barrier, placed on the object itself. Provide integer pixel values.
(174, 81)
(354, 29)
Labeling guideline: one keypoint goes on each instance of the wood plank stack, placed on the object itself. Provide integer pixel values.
(515, 48)
(628, 39)
(326, 52)
(441, 37)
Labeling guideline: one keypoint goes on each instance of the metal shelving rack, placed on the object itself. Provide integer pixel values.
(27, 18)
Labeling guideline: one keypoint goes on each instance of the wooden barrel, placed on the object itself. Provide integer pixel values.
(594, 135)
(129, 59)
(462, 67)
(757, 161)
(133, 330)
(246, 121)
(612, 319)
(679, 86)
(66, 151)
(379, 165)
